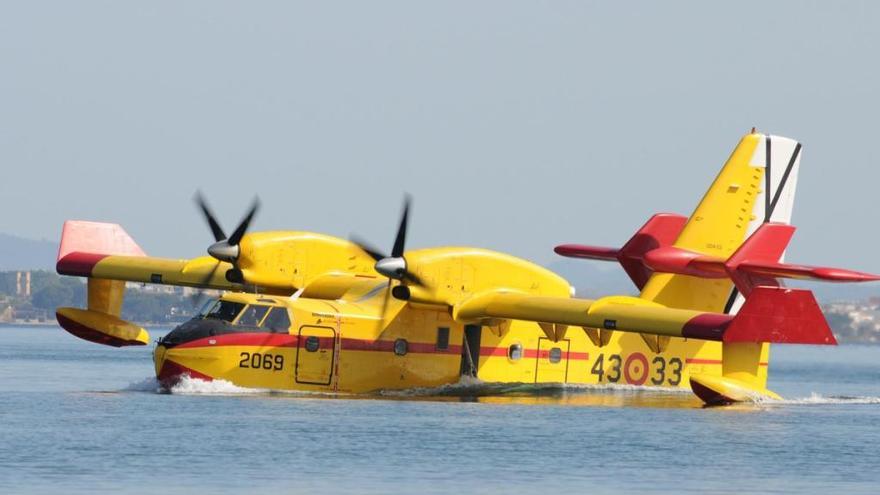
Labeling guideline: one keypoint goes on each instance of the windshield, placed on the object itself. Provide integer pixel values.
(277, 321)
(253, 315)
(224, 310)
(206, 308)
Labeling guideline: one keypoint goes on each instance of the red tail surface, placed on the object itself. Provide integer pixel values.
(755, 263)
(659, 231)
(782, 316)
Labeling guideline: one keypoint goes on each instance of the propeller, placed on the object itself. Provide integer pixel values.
(225, 248)
(393, 266)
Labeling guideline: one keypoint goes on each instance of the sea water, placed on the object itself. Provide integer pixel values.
(76, 417)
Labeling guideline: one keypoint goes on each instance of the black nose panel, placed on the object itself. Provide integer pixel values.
(201, 328)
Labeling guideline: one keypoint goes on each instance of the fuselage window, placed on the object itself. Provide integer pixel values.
(225, 310)
(313, 343)
(277, 321)
(514, 352)
(401, 347)
(555, 355)
(442, 338)
(253, 315)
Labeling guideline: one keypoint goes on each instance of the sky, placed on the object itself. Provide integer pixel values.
(515, 126)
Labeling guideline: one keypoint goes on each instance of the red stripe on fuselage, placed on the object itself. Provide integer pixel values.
(348, 344)
(531, 353)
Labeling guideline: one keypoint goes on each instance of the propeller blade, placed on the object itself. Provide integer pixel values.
(413, 278)
(199, 293)
(365, 247)
(400, 240)
(219, 235)
(385, 299)
(236, 236)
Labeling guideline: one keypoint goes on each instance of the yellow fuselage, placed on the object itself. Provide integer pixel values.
(339, 346)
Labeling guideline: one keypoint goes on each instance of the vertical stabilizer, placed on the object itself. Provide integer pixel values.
(756, 185)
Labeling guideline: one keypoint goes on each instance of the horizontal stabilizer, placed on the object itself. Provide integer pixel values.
(659, 231)
(755, 263)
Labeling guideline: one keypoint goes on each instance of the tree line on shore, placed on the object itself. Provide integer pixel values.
(48, 291)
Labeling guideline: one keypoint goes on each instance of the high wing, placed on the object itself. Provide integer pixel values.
(277, 263)
(770, 314)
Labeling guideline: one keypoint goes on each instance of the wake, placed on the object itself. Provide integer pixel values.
(194, 386)
(819, 399)
(471, 387)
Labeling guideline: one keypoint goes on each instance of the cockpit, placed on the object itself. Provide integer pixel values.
(264, 316)
(224, 316)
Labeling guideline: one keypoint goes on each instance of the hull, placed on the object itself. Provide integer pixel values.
(427, 349)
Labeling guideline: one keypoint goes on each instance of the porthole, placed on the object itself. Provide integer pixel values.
(313, 343)
(555, 355)
(515, 352)
(401, 347)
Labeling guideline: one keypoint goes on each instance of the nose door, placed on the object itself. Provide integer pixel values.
(315, 351)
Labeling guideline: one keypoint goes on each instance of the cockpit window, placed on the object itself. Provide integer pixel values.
(225, 310)
(277, 321)
(253, 315)
(206, 308)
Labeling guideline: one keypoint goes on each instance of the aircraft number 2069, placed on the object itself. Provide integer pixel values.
(258, 361)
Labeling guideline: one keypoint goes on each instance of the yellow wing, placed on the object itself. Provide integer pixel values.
(771, 314)
(279, 263)
(106, 251)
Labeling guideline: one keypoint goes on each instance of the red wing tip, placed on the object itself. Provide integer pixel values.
(78, 264)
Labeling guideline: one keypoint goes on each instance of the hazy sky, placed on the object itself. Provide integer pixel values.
(515, 125)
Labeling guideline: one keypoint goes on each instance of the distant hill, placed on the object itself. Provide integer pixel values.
(17, 253)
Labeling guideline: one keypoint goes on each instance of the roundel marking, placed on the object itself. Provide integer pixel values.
(635, 369)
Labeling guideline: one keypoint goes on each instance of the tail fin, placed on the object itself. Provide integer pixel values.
(756, 185)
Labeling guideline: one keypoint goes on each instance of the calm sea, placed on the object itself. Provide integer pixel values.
(76, 417)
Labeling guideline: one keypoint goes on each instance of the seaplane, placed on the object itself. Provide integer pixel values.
(310, 312)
